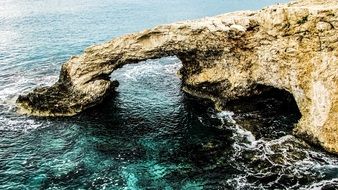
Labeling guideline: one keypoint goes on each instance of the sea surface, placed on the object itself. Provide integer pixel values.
(150, 135)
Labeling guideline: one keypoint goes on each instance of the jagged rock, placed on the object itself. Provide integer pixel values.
(291, 47)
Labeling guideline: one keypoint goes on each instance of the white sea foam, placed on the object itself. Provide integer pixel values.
(14, 85)
(18, 124)
(149, 68)
(246, 137)
(333, 183)
(287, 152)
(226, 115)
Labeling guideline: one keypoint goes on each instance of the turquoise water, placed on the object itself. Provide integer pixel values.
(151, 135)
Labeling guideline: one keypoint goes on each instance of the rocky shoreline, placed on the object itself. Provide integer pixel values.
(291, 47)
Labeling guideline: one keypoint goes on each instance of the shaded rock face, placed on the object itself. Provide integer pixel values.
(291, 47)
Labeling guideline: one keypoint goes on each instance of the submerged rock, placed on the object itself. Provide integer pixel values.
(291, 47)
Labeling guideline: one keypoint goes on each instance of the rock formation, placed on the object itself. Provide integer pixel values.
(291, 47)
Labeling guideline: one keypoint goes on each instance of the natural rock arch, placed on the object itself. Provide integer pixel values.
(291, 47)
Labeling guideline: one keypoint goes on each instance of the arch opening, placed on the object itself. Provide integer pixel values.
(271, 113)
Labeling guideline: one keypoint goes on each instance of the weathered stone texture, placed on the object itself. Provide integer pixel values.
(291, 47)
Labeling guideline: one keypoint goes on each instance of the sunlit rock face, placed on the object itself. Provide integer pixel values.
(291, 47)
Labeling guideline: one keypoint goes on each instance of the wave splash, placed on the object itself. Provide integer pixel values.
(278, 160)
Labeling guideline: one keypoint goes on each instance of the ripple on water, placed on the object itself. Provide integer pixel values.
(151, 135)
(181, 143)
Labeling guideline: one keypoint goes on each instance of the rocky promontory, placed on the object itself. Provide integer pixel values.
(293, 47)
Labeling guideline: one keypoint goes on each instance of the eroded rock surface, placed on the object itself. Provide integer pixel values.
(291, 47)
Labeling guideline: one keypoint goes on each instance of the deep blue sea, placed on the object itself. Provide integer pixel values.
(150, 135)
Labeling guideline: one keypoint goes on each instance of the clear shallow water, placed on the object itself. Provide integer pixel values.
(151, 135)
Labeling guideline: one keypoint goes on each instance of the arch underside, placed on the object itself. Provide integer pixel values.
(291, 47)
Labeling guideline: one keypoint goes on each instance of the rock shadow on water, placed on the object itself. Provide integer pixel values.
(269, 115)
(200, 149)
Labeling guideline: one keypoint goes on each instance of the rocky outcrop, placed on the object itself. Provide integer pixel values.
(291, 47)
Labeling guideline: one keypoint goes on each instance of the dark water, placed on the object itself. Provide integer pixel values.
(151, 135)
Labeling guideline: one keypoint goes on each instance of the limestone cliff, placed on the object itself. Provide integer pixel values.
(291, 47)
